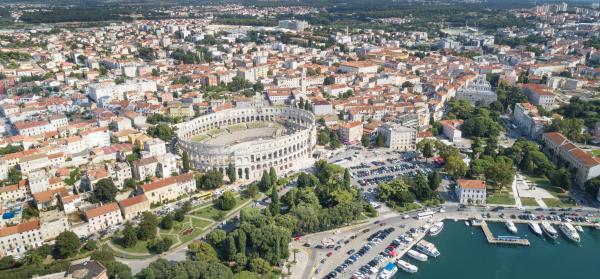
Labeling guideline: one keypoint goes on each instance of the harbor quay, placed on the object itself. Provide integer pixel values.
(321, 261)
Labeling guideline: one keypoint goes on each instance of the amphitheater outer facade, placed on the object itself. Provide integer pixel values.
(253, 156)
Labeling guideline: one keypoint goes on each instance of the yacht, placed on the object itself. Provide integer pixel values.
(406, 266)
(535, 228)
(549, 230)
(427, 248)
(436, 228)
(388, 271)
(579, 228)
(597, 226)
(569, 231)
(511, 226)
(416, 255)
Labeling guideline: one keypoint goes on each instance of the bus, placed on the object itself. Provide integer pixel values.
(425, 214)
(205, 195)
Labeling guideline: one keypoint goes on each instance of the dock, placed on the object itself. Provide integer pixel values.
(500, 240)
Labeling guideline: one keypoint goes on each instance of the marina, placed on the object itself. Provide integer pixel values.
(501, 240)
(462, 244)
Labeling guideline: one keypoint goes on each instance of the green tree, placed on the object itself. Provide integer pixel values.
(434, 180)
(334, 142)
(167, 222)
(275, 205)
(380, 140)
(105, 190)
(201, 251)
(273, 176)
(226, 201)
(212, 179)
(347, 179)
(260, 266)
(561, 178)
(364, 140)
(427, 150)
(455, 166)
(185, 161)
(231, 173)
(162, 131)
(592, 187)
(147, 227)
(265, 182)
(323, 137)
(66, 244)
(130, 235)
(160, 245)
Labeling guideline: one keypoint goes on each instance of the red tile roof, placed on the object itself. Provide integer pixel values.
(101, 210)
(471, 183)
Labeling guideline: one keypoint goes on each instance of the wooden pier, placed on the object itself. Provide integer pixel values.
(494, 240)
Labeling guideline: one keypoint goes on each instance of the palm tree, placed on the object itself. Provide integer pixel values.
(295, 250)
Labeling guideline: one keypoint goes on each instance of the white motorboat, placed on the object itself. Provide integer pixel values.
(427, 248)
(467, 223)
(406, 266)
(569, 231)
(535, 228)
(597, 226)
(511, 226)
(549, 230)
(388, 271)
(416, 255)
(436, 228)
(579, 228)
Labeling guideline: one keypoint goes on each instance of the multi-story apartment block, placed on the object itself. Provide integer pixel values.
(477, 91)
(529, 121)
(471, 191)
(539, 95)
(451, 129)
(168, 189)
(134, 206)
(96, 137)
(103, 217)
(566, 154)
(398, 137)
(154, 147)
(18, 239)
(351, 132)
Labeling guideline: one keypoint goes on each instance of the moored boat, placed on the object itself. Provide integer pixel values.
(388, 271)
(535, 228)
(511, 227)
(579, 228)
(406, 266)
(427, 248)
(416, 255)
(569, 231)
(549, 230)
(436, 228)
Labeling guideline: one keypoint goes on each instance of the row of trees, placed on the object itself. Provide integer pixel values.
(401, 192)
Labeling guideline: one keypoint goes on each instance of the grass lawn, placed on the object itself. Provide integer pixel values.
(529, 202)
(197, 223)
(212, 212)
(596, 152)
(562, 198)
(408, 207)
(140, 246)
(505, 198)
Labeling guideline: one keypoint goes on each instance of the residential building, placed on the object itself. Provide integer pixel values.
(471, 191)
(18, 239)
(566, 154)
(398, 137)
(539, 95)
(103, 217)
(451, 129)
(154, 147)
(351, 132)
(168, 189)
(134, 206)
(529, 121)
(477, 91)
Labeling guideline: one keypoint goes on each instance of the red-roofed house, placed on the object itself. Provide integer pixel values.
(351, 132)
(470, 191)
(103, 217)
(168, 189)
(562, 150)
(18, 239)
(134, 206)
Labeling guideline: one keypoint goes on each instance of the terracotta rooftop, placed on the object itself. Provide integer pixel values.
(471, 183)
(101, 210)
(166, 182)
(133, 201)
(23, 227)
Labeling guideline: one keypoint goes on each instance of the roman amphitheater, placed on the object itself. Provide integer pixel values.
(254, 139)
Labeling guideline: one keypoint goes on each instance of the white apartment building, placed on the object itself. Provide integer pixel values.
(17, 240)
(451, 129)
(75, 144)
(539, 95)
(103, 217)
(33, 128)
(154, 147)
(529, 121)
(477, 91)
(105, 92)
(398, 137)
(168, 189)
(351, 132)
(96, 137)
(364, 67)
(471, 191)
(3, 170)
